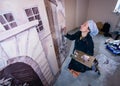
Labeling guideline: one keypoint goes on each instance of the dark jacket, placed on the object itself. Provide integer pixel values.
(85, 45)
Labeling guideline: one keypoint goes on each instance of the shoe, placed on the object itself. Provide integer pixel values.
(74, 73)
(95, 62)
(99, 73)
(97, 70)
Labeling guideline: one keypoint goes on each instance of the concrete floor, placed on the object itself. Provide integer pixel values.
(109, 66)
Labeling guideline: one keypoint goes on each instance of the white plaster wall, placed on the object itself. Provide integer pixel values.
(16, 7)
(50, 53)
(102, 10)
(29, 45)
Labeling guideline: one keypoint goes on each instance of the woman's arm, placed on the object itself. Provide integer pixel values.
(73, 36)
(90, 47)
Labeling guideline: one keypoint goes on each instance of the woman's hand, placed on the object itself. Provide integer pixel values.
(64, 31)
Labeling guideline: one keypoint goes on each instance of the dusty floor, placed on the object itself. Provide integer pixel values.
(109, 65)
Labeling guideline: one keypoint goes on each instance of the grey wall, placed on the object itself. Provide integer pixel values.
(70, 11)
(81, 11)
(102, 10)
(78, 11)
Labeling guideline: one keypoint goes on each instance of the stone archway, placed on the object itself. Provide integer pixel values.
(28, 60)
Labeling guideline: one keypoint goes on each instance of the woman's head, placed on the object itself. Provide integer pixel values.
(89, 26)
(84, 27)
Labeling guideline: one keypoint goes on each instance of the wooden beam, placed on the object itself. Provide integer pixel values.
(14, 31)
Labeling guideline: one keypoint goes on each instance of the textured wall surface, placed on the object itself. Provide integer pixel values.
(36, 43)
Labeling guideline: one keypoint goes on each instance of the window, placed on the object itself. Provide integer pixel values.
(117, 7)
(8, 21)
(32, 14)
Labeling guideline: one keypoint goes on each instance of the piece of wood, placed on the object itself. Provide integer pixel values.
(77, 56)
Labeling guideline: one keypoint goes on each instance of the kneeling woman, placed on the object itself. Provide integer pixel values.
(84, 43)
